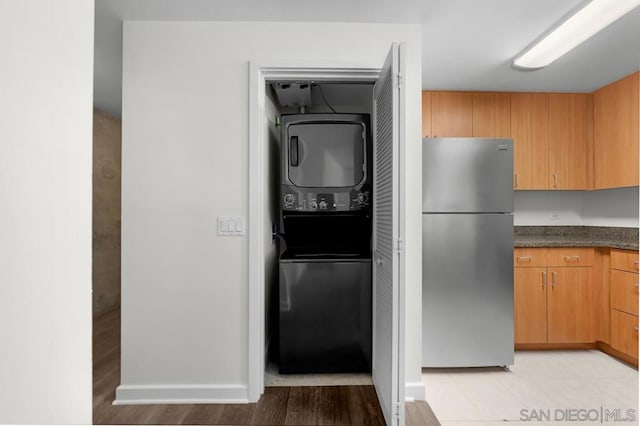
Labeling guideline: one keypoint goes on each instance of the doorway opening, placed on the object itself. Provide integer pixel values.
(318, 300)
(340, 89)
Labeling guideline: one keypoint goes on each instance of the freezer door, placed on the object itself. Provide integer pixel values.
(462, 175)
(467, 291)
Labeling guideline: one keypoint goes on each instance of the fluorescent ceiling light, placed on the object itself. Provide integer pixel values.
(572, 31)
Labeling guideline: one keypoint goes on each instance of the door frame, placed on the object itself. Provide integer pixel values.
(259, 73)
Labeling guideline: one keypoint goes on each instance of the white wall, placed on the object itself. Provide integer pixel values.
(610, 207)
(185, 158)
(45, 219)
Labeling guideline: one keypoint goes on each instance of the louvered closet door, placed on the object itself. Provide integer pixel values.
(388, 358)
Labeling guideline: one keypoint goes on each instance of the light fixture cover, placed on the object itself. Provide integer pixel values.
(571, 31)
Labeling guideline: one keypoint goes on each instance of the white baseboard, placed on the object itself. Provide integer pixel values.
(181, 394)
(414, 391)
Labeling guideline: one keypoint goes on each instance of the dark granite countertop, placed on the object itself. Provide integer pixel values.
(576, 236)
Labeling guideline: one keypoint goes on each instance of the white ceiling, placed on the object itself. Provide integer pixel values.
(466, 44)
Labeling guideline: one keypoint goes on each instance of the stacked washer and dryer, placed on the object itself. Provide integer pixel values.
(325, 260)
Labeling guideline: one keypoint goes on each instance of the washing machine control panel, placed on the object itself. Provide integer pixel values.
(303, 201)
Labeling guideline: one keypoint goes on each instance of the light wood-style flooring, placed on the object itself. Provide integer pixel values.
(303, 405)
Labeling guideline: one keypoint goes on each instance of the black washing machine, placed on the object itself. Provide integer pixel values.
(325, 313)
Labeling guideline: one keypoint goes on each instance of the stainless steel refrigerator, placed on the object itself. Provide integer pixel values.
(467, 243)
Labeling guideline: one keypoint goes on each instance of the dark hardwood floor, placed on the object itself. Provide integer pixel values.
(307, 405)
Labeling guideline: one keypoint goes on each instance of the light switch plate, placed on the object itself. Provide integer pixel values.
(231, 226)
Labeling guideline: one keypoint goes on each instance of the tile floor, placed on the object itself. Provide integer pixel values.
(272, 378)
(544, 383)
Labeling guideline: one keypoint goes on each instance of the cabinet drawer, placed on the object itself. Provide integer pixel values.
(624, 333)
(624, 291)
(530, 257)
(570, 256)
(625, 260)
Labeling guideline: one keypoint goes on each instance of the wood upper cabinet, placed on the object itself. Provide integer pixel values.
(568, 141)
(616, 133)
(529, 130)
(491, 115)
(451, 114)
(572, 141)
(466, 114)
(549, 134)
(426, 114)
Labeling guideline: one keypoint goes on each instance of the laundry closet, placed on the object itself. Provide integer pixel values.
(320, 186)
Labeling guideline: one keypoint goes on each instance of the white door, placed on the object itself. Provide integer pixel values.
(388, 330)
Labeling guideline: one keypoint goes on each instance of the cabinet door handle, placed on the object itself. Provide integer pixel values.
(554, 279)
(555, 180)
(572, 258)
(635, 328)
(515, 180)
(523, 258)
(544, 278)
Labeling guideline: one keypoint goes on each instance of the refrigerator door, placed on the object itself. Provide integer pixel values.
(467, 293)
(462, 175)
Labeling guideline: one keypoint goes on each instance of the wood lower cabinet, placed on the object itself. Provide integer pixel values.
(624, 291)
(554, 303)
(577, 256)
(625, 260)
(569, 305)
(568, 296)
(624, 333)
(530, 257)
(530, 305)
(624, 280)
